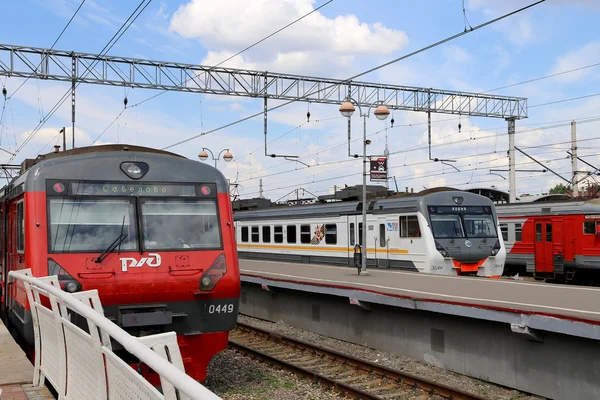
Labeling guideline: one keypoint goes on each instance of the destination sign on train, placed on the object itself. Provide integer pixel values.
(454, 209)
(130, 189)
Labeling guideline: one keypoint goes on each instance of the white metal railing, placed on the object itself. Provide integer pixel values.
(81, 364)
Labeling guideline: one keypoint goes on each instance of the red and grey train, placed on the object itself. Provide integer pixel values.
(558, 241)
(151, 230)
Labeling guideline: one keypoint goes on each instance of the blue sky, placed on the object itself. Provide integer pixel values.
(342, 39)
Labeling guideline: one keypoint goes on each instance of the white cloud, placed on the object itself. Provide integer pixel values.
(45, 138)
(230, 24)
(296, 62)
(586, 55)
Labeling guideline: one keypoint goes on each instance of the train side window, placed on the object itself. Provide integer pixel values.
(589, 228)
(330, 233)
(504, 230)
(20, 228)
(266, 234)
(291, 233)
(305, 234)
(352, 239)
(244, 234)
(278, 234)
(409, 226)
(518, 232)
(360, 233)
(255, 238)
(382, 241)
(548, 232)
(538, 232)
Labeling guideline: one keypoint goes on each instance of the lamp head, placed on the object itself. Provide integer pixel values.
(347, 109)
(381, 112)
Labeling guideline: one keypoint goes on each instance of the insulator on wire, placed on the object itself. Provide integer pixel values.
(392, 122)
(308, 116)
(459, 126)
(4, 92)
(125, 101)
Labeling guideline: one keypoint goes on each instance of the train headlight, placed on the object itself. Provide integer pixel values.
(442, 250)
(71, 287)
(205, 282)
(496, 248)
(214, 274)
(67, 281)
(135, 170)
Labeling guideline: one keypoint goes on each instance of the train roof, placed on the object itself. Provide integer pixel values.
(102, 163)
(550, 208)
(384, 206)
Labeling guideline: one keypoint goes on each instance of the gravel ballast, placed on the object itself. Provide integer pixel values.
(235, 376)
(485, 389)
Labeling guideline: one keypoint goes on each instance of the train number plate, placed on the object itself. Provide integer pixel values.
(221, 308)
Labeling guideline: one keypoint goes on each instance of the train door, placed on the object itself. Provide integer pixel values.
(382, 244)
(544, 260)
(568, 239)
(353, 239)
(10, 250)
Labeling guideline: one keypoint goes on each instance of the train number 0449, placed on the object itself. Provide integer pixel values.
(220, 308)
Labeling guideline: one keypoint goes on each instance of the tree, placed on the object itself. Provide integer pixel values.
(559, 189)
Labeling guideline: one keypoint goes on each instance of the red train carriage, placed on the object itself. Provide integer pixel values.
(151, 230)
(552, 240)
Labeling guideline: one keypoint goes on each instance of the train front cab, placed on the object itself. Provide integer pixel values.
(127, 239)
(464, 234)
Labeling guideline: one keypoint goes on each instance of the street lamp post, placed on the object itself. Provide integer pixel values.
(381, 112)
(204, 155)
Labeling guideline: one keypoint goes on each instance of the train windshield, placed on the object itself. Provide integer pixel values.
(446, 226)
(479, 226)
(91, 225)
(459, 222)
(91, 216)
(179, 224)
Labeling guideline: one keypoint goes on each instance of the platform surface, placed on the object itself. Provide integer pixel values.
(15, 368)
(563, 301)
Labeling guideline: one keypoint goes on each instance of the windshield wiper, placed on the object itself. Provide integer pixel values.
(117, 242)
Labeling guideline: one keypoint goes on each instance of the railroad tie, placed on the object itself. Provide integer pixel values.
(384, 388)
(352, 378)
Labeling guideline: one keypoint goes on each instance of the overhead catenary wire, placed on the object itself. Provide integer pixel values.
(120, 32)
(559, 123)
(426, 162)
(244, 50)
(438, 43)
(220, 63)
(51, 47)
(427, 174)
(412, 149)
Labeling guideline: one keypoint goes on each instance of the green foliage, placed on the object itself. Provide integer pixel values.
(559, 189)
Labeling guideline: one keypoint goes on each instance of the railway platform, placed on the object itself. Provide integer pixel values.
(16, 372)
(539, 338)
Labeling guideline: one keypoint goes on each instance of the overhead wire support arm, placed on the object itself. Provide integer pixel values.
(545, 166)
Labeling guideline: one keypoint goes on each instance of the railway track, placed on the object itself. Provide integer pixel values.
(351, 376)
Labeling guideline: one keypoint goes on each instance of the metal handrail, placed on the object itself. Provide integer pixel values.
(133, 345)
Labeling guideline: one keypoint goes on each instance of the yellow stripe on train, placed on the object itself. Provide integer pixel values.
(318, 248)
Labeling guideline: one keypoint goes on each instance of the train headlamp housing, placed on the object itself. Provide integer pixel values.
(441, 249)
(67, 282)
(496, 248)
(214, 274)
(134, 169)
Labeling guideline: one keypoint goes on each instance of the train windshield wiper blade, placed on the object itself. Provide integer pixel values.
(111, 247)
(117, 242)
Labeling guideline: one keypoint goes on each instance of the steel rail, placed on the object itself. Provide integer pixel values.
(399, 377)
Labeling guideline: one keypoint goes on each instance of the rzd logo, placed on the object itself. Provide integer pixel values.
(153, 260)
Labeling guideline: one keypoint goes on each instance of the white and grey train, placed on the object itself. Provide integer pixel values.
(448, 233)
